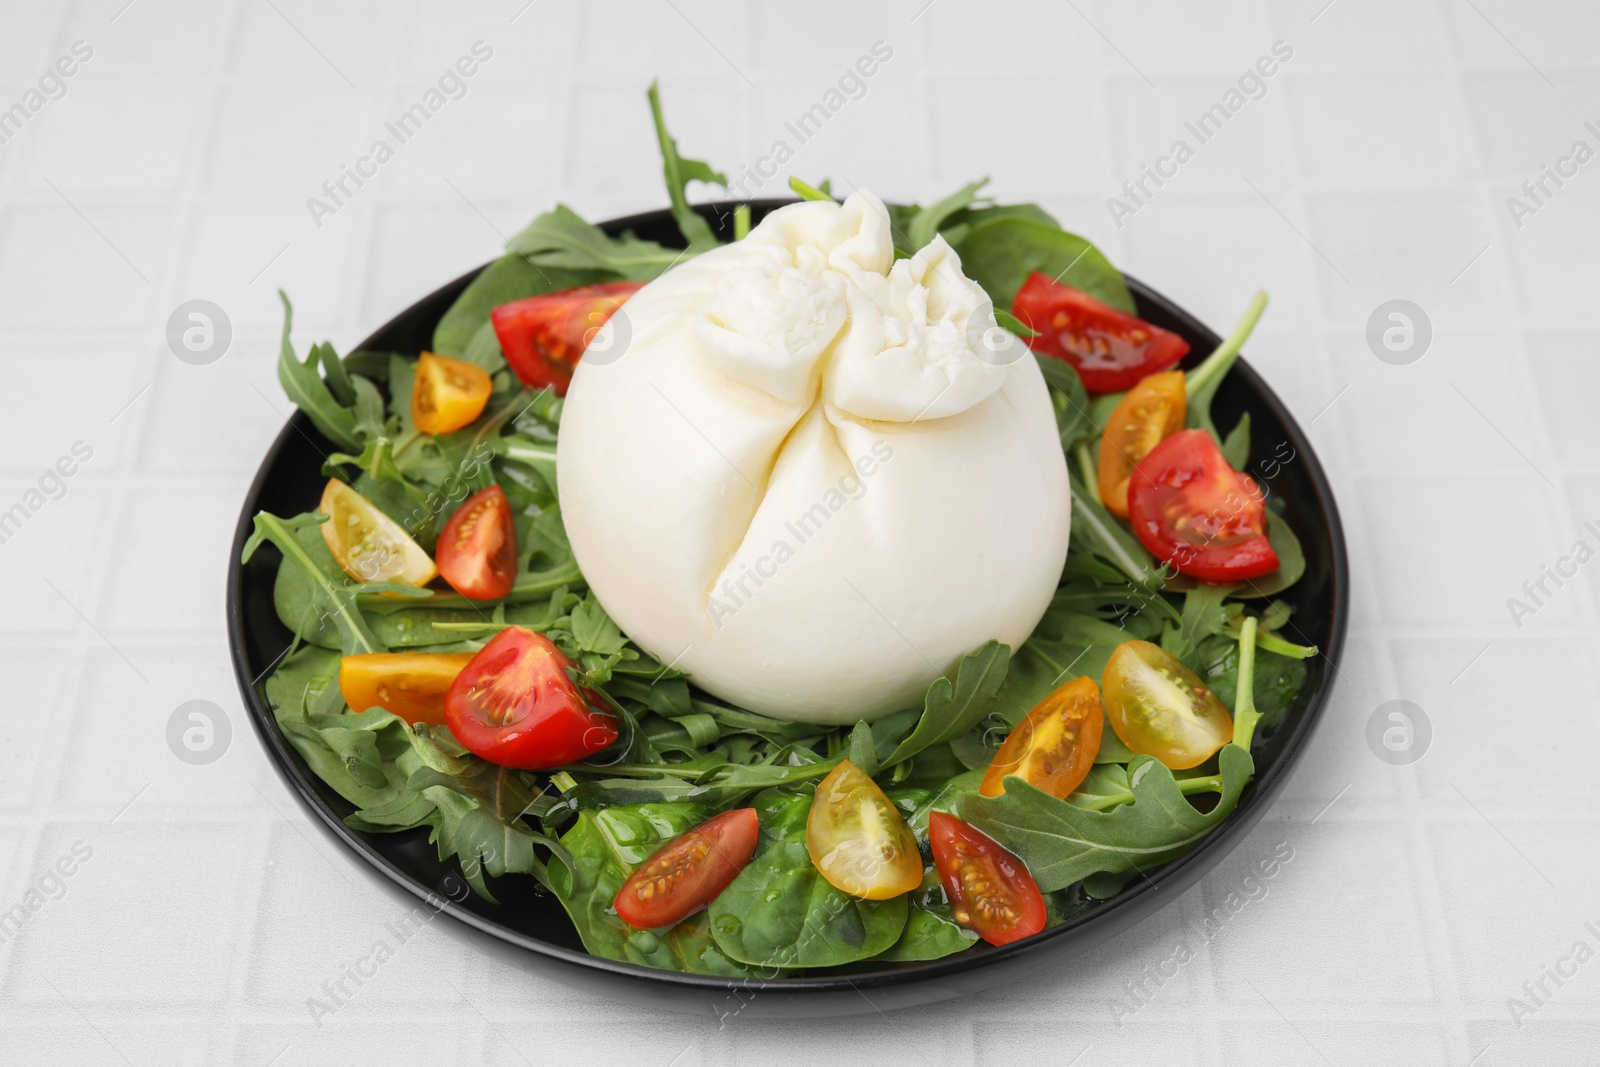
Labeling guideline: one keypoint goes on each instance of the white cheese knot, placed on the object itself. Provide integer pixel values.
(807, 481)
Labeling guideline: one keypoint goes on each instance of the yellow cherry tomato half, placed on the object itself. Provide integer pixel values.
(410, 684)
(1054, 745)
(448, 393)
(1152, 411)
(367, 544)
(857, 839)
(1161, 708)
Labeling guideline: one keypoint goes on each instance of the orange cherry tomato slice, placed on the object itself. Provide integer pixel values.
(688, 872)
(1054, 745)
(990, 890)
(1152, 411)
(857, 839)
(410, 684)
(515, 704)
(448, 393)
(1160, 708)
(478, 549)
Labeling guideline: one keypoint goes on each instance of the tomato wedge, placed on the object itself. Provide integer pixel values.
(478, 549)
(688, 872)
(1160, 708)
(1191, 509)
(448, 393)
(1152, 411)
(410, 684)
(990, 890)
(857, 839)
(367, 544)
(1054, 746)
(1111, 349)
(544, 336)
(515, 704)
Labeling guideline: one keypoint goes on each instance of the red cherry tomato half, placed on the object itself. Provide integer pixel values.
(543, 336)
(1191, 509)
(990, 890)
(477, 553)
(689, 871)
(1110, 349)
(515, 704)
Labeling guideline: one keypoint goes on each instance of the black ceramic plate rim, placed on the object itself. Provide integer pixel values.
(1162, 884)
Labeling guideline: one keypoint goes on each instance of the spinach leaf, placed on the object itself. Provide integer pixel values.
(930, 933)
(950, 710)
(960, 223)
(1073, 420)
(1001, 252)
(679, 171)
(780, 912)
(1236, 446)
(604, 848)
(926, 222)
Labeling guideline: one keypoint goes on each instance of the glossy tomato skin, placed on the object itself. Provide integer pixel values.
(857, 840)
(448, 394)
(477, 551)
(1158, 707)
(990, 889)
(1152, 411)
(688, 872)
(544, 336)
(1110, 349)
(1191, 509)
(1054, 746)
(412, 685)
(515, 704)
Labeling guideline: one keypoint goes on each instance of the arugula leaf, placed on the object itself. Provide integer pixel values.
(679, 171)
(347, 417)
(779, 912)
(1062, 843)
(949, 711)
(1001, 252)
(326, 592)
(1205, 614)
(560, 238)
(1201, 383)
(1074, 422)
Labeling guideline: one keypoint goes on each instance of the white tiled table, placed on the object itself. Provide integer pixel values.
(1376, 165)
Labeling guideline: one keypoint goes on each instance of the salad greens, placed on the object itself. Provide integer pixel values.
(684, 755)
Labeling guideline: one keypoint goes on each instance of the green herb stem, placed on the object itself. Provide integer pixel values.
(807, 192)
(1245, 715)
(1086, 468)
(1218, 362)
(1211, 783)
(535, 455)
(741, 222)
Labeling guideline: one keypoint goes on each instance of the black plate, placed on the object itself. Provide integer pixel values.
(529, 929)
